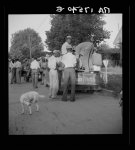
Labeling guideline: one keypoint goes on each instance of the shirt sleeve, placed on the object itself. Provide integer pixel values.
(20, 65)
(31, 66)
(49, 63)
(62, 59)
(38, 65)
(63, 49)
(14, 65)
(74, 60)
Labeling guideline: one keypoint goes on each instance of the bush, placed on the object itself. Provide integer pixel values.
(114, 83)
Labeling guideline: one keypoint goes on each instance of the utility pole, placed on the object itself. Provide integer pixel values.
(30, 45)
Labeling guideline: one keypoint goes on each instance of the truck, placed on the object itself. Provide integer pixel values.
(87, 79)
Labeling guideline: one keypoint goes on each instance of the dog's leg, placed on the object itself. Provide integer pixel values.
(30, 110)
(37, 106)
(22, 108)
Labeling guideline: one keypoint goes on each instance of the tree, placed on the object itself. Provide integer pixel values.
(104, 46)
(24, 40)
(80, 26)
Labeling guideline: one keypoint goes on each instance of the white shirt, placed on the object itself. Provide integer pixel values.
(52, 61)
(11, 65)
(96, 68)
(34, 65)
(64, 48)
(18, 64)
(69, 60)
(59, 59)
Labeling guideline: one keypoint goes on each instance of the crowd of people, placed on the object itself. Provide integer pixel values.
(52, 69)
(60, 64)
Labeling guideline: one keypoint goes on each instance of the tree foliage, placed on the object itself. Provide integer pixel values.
(21, 42)
(104, 46)
(80, 26)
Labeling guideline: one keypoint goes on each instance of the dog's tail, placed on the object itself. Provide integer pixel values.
(42, 96)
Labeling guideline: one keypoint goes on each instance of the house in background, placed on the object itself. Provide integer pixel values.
(118, 43)
(118, 38)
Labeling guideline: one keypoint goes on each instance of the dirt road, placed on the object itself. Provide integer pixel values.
(89, 114)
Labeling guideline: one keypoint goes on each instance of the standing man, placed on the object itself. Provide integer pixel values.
(45, 73)
(53, 75)
(68, 42)
(11, 65)
(97, 63)
(59, 69)
(13, 71)
(69, 61)
(35, 70)
(42, 64)
(18, 71)
(46, 79)
(96, 60)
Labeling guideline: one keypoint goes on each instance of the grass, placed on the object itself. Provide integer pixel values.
(114, 83)
(114, 79)
(114, 70)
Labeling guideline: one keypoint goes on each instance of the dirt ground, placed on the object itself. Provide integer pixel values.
(97, 113)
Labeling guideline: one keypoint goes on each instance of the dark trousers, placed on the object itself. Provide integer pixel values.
(69, 75)
(18, 75)
(34, 78)
(59, 77)
(13, 76)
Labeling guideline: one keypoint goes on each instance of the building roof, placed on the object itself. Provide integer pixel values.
(118, 38)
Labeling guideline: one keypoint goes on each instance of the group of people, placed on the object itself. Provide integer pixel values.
(60, 65)
(15, 69)
(39, 67)
(18, 69)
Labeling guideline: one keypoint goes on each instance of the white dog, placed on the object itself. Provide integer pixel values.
(30, 98)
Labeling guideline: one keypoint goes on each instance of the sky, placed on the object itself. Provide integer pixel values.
(41, 23)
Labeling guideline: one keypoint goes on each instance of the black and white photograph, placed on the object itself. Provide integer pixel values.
(65, 74)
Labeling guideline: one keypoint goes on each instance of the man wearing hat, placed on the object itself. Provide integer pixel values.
(53, 75)
(13, 71)
(18, 66)
(35, 71)
(69, 61)
(68, 42)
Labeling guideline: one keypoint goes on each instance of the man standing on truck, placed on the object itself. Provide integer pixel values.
(68, 42)
(97, 63)
(69, 61)
(96, 60)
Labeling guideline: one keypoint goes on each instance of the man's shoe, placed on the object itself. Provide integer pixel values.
(64, 100)
(54, 97)
(59, 93)
(47, 85)
(50, 97)
(72, 100)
